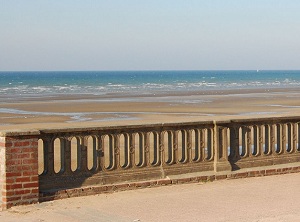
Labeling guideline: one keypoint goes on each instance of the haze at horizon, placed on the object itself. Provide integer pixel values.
(149, 35)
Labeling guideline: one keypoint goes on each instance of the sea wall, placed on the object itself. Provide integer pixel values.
(46, 164)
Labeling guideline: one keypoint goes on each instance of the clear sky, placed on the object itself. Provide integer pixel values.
(149, 34)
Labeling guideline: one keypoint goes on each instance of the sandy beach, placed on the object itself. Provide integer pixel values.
(119, 109)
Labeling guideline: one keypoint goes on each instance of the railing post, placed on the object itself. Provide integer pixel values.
(18, 170)
(221, 162)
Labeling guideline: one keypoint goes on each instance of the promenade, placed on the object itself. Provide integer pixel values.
(259, 199)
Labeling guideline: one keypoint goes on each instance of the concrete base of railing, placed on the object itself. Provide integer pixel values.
(208, 176)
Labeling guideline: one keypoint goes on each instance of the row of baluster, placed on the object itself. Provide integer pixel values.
(113, 151)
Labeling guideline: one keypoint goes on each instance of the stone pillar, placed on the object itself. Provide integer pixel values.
(221, 162)
(18, 170)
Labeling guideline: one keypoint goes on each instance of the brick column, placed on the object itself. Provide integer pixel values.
(18, 170)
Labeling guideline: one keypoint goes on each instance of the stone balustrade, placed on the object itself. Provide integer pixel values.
(36, 165)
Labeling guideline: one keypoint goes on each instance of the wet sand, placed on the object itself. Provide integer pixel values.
(118, 109)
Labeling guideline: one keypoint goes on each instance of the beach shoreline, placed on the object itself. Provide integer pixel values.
(163, 107)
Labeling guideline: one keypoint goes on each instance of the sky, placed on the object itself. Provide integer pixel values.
(47, 35)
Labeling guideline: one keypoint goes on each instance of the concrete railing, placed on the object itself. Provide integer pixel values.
(37, 164)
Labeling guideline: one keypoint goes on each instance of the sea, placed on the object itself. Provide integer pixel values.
(55, 83)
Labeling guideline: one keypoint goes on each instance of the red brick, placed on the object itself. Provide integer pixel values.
(253, 173)
(10, 180)
(13, 162)
(202, 178)
(30, 161)
(34, 143)
(15, 150)
(122, 186)
(30, 185)
(270, 171)
(184, 180)
(295, 168)
(2, 144)
(29, 173)
(262, 172)
(21, 192)
(13, 174)
(21, 144)
(101, 189)
(7, 144)
(34, 155)
(211, 178)
(22, 156)
(29, 150)
(30, 196)
(221, 177)
(8, 193)
(23, 179)
(13, 186)
(34, 178)
(142, 184)
(10, 199)
(35, 191)
(164, 182)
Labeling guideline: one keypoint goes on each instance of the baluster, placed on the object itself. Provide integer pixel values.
(246, 141)
(94, 153)
(290, 138)
(197, 146)
(161, 156)
(294, 138)
(202, 144)
(249, 141)
(284, 139)
(100, 154)
(189, 146)
(175, 147)
(224, 143)
(147, 149)
(127, 150)
(156, 160)
(62, 155)
(116, 156)
(210, 144)
(48, 156)
(183, 147)
(267, 140)
(253, 152)
(83, 154)
(260, 140)
(67, 155)
(170, 159)
(234, 143)
(272, 139)
(298, 137)
(132, 150)
(141, 150)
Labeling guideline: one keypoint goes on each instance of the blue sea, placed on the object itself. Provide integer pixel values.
(14, 84)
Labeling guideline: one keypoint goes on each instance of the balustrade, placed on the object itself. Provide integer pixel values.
(72, 158)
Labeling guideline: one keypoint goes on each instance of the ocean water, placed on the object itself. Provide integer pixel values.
(26, 84)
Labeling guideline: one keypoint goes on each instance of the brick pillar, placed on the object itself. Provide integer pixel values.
(18, 170)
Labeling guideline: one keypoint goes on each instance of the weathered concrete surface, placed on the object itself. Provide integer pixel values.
(271, 198)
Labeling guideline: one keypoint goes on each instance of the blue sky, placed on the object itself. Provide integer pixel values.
(149, 34)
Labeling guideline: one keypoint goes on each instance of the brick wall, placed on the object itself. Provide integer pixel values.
(18, 171)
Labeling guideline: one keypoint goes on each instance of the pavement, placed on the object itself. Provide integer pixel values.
(259, 199)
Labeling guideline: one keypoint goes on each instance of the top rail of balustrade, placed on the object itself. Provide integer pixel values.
(147, 127)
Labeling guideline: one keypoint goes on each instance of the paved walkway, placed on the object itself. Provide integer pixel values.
(262, 199)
